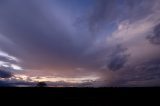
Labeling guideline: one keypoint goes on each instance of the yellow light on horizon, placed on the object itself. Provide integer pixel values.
(56, 79)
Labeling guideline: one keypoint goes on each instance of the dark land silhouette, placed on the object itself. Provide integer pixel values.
(41, 84)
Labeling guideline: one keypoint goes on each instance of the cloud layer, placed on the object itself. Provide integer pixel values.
(111, 40)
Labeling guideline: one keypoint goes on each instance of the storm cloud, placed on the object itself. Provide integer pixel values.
(5, 74)
(114, 37)
(145, 74)
(118, 59)
(39, 34)
(155, 36)
(111, 12)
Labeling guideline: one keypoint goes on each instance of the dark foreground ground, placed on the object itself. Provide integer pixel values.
(91, 96)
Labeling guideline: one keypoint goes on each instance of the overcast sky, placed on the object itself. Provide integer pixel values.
(115, 42)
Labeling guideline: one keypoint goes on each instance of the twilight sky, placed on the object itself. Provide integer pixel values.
(80, 42)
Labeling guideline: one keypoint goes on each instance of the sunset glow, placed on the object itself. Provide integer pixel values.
(56, 79)
(80, 43)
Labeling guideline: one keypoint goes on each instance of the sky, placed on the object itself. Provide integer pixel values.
(95, 43)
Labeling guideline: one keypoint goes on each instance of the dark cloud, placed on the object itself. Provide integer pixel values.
(23, 84)
(145, 74)
(40, 35)
(114, 11)
(43, 37)
(118, 58)
(5, 84)
(67, 84)
(17, 84)
(5, 74)
(43, 40)
(154, 38)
